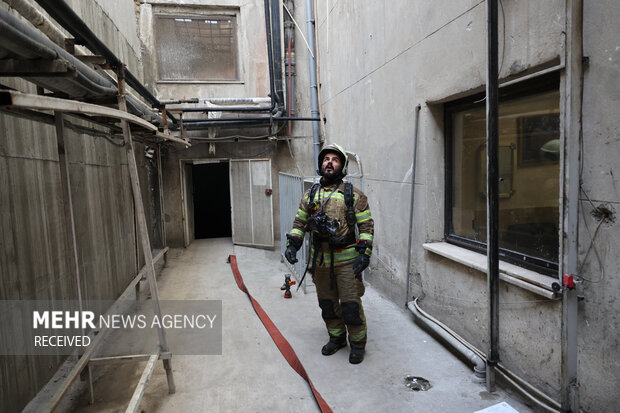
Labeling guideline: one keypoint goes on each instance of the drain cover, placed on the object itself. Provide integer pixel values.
(417, 383)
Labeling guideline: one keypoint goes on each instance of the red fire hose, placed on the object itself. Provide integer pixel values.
(283, 345)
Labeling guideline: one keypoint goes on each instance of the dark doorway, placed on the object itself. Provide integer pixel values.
(211, 188)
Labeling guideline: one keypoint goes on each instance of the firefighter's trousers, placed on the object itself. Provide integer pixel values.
(341, 307)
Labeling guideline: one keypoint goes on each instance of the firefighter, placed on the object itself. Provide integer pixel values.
(330, 211)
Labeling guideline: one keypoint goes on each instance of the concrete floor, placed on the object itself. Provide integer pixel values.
(252, 376)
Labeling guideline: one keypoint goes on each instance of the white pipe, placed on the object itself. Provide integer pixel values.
(477, 361)
(521, 385)
(234, 101)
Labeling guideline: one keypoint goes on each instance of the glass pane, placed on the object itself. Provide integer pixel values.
(196, 48)
(529, 137)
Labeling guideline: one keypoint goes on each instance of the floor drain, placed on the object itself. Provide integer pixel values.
(417, 383)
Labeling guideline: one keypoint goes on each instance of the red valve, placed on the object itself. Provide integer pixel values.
(568, 281)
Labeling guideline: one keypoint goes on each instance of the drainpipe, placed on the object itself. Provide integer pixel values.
(492, 102)
(289, 38)
(314, 90)
(277, 51)
(570, 242)
(415, 150)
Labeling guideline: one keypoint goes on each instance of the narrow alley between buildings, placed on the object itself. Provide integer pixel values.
(251, 374)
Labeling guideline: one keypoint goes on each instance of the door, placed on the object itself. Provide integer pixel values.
(252, 206)
(187, 202)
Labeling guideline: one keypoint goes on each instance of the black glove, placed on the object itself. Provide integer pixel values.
(293, 244)
(291, 254)
(360, 263)
(363, 259)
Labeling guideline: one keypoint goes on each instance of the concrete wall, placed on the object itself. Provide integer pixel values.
(251, 41)
(33, 254)
(223, 151)
(377, 62)
(599, 323)
(253, 70)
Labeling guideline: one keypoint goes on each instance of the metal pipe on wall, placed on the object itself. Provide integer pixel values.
(314, 90)
(525, 388)
(415, 150)
(289, 38)
(269, 33)
(455, 343)
(277, 51)
(38, 20)
(25, 41)
(492, 120)
(63, 14)
(570, 191)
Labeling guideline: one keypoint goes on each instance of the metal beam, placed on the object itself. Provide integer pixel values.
(492, 103)
(571, 181)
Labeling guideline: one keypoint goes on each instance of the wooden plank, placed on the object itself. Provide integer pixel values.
(169, 137)
(160, 182)
(132, 358)
(27, 101)
(144, 235)
(71, 240)
(48, 398)
(10, 100)
(65, 182)
(139, 392)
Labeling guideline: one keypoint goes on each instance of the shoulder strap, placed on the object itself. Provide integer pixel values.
(313, 190)
(348, 194)
(348, 200)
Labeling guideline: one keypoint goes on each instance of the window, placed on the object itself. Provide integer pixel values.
(529, 149)
(196, 48)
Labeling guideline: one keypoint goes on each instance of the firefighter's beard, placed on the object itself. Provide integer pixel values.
(332, 176)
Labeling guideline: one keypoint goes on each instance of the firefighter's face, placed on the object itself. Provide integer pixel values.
(331, 163)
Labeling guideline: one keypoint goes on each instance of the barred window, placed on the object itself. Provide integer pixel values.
(196, 48)
(529, 152)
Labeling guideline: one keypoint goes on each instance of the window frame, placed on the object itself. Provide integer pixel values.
(207, 15)
(543, 83)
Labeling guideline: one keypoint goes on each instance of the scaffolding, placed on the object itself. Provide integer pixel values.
(74, 86)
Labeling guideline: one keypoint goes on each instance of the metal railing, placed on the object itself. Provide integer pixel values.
(292, 188)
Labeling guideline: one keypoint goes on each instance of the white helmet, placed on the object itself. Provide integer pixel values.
(342, 154)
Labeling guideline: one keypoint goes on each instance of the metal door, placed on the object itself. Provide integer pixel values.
(251, 202)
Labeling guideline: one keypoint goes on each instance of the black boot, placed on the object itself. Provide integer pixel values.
(333, 346)
(357, 355)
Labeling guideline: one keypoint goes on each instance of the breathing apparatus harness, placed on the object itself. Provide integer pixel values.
(319, 223)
